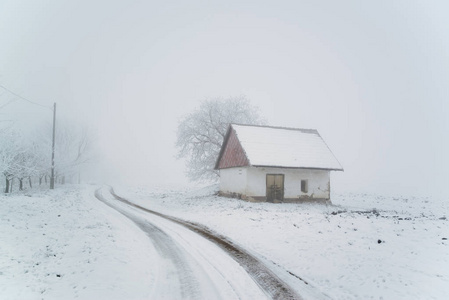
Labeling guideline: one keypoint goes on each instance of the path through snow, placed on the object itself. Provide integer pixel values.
(189, 267)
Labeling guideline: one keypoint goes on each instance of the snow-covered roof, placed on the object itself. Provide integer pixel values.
(285, 147)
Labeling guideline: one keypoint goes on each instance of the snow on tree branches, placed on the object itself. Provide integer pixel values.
(201, 133)
(26, 157)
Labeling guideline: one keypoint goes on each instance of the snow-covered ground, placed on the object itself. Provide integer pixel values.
(361, 247)
(65, 244)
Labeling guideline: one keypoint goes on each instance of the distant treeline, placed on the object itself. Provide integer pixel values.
(26, 159)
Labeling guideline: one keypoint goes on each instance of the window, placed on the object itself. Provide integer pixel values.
(304, 186)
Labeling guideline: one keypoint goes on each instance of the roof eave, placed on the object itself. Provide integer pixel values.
(308, 168)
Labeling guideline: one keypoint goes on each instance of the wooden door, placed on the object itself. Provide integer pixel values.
(275, 187)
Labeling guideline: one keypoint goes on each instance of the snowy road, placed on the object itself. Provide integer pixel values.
(196, 264)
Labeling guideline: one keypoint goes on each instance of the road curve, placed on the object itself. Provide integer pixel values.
(272, 286)
(187, 266)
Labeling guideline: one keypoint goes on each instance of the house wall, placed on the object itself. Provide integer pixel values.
(251, 181)
(233, 180)
(318, 182)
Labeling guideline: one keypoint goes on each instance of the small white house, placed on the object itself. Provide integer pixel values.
(261, 163)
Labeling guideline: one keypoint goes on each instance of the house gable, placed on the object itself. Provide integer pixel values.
(232, 154)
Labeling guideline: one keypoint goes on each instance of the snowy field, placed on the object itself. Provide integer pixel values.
(65, 244)
(361, 247)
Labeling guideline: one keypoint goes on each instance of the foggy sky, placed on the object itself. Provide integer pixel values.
(372, 78)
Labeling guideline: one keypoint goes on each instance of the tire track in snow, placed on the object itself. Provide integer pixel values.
(264, 277)
(167, 249)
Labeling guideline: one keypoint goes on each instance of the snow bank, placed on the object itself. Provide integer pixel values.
(65, 244)
(362, 247)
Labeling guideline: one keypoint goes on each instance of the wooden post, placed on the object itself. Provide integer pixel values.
(52, 178)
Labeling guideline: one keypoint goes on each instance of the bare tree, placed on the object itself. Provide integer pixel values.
(24, 157)
(6, 156)
(11, 153)
(73, 148)
(26, 164)
(201, 133)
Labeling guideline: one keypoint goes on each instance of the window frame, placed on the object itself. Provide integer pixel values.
(304, 186)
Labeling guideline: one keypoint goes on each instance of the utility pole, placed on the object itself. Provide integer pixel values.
(52, 178)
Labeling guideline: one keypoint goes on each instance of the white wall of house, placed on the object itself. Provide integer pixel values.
(251, 181)
(233, 180)
(318, 182)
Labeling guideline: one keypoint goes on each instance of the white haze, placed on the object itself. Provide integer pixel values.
(371, 77)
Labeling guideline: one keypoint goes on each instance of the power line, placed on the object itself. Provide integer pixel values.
(23, 98)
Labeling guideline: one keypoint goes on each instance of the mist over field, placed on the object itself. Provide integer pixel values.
(370, 77)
